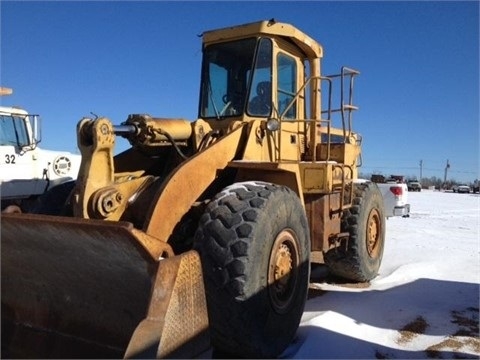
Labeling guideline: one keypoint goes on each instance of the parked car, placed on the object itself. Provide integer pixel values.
(414, 186)
(461, 189)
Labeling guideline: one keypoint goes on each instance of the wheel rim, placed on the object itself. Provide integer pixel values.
(283, 270)
(374, 230)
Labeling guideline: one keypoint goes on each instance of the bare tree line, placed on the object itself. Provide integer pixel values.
(428, 182)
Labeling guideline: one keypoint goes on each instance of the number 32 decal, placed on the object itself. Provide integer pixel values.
(9, 159)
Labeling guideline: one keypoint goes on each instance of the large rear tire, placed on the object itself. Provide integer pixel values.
(254, 243)
(365, 222)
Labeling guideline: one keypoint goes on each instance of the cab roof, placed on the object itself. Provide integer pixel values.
(309, 46)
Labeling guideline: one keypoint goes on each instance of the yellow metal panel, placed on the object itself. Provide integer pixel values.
(314, 178)
(290, 141)
(342, 153)
(317, 177)
(257, 147)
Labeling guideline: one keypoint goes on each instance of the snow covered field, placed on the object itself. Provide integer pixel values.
(423, 304)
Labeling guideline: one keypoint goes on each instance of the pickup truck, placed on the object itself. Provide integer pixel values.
(414, 185)
(395, 196)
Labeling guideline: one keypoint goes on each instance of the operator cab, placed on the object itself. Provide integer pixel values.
(238, 79)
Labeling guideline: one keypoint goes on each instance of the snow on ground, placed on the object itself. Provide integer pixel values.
(425, 301)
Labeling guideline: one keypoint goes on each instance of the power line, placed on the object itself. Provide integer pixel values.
(380, 167)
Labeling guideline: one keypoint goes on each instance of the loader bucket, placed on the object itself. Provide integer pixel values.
(77, 288)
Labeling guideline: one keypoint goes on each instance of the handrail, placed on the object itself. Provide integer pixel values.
(346, 129)
(345, 72)
(344, 107)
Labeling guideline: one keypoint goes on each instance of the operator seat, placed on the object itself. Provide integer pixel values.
(262, 103)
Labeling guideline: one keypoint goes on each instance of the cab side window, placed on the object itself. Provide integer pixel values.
(260, 100)
(287, 85)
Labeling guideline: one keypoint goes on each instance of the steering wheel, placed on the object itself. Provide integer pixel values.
(227, 105)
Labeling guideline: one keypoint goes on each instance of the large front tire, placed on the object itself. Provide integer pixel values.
(365, 222)
(254, 243)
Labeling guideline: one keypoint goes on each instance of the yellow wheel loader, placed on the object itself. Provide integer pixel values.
(201, 234)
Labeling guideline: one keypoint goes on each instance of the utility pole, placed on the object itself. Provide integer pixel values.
(446, 170)
(421, 166)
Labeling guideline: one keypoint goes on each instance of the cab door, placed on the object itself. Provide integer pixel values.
(19, 174)
(289, 75)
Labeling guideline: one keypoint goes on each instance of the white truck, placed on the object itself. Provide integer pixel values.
(395, 195)
(26, 170)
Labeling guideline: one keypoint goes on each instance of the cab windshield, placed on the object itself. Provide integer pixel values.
(13, 131)
(228, 70)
